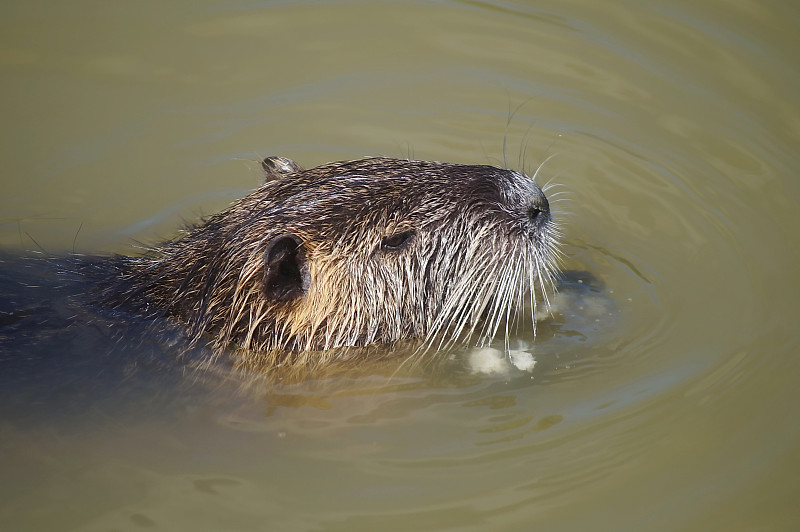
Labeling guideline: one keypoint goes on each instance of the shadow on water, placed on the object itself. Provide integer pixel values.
(61, 355)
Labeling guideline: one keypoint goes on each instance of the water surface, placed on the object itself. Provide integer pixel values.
(662, 397)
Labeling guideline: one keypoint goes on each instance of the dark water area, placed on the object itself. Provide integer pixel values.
(62, 354)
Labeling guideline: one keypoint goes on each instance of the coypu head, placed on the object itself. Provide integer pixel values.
(354, 253)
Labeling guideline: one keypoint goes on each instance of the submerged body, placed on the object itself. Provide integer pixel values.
(352, 253)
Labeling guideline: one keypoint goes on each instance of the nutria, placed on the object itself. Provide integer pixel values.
(352, 253)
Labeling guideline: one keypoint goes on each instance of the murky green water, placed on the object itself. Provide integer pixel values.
(665, 401)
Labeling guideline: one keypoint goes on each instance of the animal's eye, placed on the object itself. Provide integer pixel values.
(397, 240)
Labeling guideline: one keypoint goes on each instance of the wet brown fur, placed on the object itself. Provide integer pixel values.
(352, 253)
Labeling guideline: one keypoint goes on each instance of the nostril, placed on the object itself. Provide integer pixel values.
(538, 206)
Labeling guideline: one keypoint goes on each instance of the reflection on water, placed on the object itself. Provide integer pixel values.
(658, 398)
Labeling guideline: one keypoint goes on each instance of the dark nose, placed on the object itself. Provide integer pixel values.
(539, 207)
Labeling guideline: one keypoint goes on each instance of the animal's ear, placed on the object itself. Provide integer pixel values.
(279, 167)
(286, 274)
